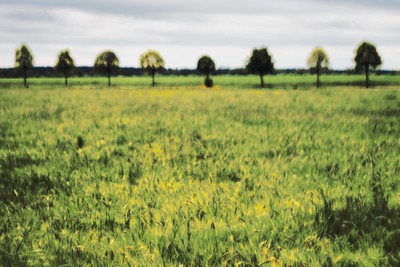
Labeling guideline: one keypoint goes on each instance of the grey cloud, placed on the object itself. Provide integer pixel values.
(23, 15)
(382, 4)
(159, 9)
(186, 9)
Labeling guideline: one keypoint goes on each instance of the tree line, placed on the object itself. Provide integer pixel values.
(260, 63)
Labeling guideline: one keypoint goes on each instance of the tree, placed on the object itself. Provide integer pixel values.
(318, 62)
(24, 61)
(65, 64)
(152, 62)
(206, 66)
(367, 59)
(260, 63)
(107, 62)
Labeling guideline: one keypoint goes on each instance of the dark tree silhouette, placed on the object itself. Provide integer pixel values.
(318, 62)
(24, 61)
(367, 59)
(65, 64)
(152, 62)
(206, 66)
(107, 62)
(260, 63)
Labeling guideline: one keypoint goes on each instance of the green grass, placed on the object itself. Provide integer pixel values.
(96, 176)
(245, 82)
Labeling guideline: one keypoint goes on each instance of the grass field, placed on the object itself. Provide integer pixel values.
(152, 177)
(244, 82)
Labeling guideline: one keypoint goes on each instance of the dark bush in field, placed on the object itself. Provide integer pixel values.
(208, 82)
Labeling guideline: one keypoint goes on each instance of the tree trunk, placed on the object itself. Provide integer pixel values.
(24, 71)
(262, 80)
(152, 76)
(109, 79)
(206, 80)
(318, 80)
(366, 76)
(66, 78)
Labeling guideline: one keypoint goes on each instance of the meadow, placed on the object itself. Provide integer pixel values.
(281, 81)
(183, 175)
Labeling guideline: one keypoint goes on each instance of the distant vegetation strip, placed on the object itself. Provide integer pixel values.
(85, 71)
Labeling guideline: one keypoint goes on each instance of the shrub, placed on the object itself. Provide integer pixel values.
(208, 82)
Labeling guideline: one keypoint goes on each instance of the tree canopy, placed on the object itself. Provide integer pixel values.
(260, 63)
(152, 62)
(107, 62)
(65, 64)
(318, 62)
(23, 61)
(206, 66)
(367, 59)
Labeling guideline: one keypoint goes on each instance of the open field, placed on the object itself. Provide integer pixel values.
(153, 177)
(245, 82)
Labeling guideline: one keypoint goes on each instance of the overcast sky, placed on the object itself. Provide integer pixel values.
(183, 30)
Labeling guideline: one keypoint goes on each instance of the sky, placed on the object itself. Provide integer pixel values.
(184, 30)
